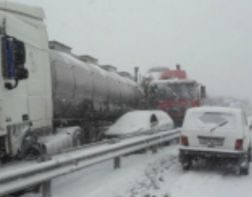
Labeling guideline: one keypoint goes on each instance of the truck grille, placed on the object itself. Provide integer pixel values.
(211, 141)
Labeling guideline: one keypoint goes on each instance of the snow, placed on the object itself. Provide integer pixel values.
(216, 109)
(139, 121)
(153, 75)
(133, 120)
(194, 117)
(164, 120)
(150, 175)
(81, 153)
(12, 166)
(172, 81)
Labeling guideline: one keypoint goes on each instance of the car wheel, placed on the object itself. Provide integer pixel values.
(244, 170)
(249, 155)
(187, 164)
(77, 138)
(186, 167)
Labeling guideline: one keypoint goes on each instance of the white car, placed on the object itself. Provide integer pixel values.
(216, 132)
(140, 122)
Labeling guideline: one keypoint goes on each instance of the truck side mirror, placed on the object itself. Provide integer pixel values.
(13, 59)
(19, 52)
(203, 92)
(22, 73)
(19, 60)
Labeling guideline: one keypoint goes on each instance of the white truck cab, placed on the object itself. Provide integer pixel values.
(51, 100)
(25, 75)
(216, 132)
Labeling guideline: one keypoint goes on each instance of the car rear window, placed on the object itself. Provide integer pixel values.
(210, 119)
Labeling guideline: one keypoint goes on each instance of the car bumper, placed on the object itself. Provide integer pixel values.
(210, 152)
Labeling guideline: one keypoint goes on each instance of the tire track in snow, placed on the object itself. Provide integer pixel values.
(155, 177)
(165, 178)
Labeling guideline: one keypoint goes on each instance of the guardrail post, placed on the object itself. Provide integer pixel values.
(46, 189)
(117, 162)
(154, 149)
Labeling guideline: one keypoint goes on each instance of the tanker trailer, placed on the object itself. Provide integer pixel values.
(47, 98)
(85, 94)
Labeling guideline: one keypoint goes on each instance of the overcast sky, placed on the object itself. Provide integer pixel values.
(211, 39)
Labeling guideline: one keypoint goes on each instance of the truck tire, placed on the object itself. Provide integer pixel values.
(30, 147)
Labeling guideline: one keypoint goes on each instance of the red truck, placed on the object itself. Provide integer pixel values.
(173, 92)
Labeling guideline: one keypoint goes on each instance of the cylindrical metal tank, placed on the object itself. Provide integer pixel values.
(84, 90)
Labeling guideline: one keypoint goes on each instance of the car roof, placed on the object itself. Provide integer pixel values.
(146, 111)
(146, 114)
(216, 109)
(140, 112)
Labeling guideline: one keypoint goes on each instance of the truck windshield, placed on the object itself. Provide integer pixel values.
(174, 90)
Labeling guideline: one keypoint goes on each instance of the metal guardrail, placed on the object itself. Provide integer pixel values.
(42, 173)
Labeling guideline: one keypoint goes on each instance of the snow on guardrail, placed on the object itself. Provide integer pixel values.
(42, 173)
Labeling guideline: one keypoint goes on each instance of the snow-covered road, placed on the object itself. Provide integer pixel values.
(150, 175)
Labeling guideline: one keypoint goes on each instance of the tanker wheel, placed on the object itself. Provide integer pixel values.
(98, 135)
(91, 136)
(77, 138)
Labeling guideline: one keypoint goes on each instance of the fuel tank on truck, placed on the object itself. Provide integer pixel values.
(82, 90)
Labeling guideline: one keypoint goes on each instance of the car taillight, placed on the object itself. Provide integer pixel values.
(184, 140)
(239, 144)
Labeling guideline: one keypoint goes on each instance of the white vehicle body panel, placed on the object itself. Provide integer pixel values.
(31, 11)
(222, 138)
(32, 97)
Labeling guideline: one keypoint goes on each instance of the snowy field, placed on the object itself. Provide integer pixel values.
(151, 175)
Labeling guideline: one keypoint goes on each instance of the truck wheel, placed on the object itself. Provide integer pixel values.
(30, 147)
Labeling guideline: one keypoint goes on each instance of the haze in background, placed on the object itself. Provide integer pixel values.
(211, 39)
